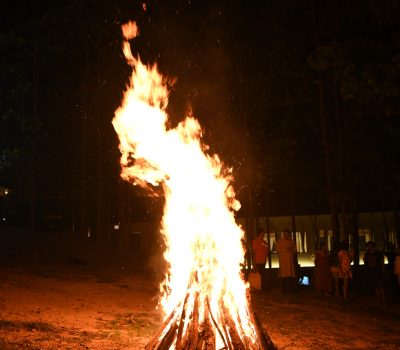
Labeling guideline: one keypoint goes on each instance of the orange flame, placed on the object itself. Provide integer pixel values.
(203, 242)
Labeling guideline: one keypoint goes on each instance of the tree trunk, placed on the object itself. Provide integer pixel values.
(250, 215)
(328, 162)
(385, 227)
(346, 219)
(122, 207)
(33, 199)
(83, 212)
(397, 222)
(267, 226)
(315, 231)
(326, 144)
(100, 212)
(356, 246)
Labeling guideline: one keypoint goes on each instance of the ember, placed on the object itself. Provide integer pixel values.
(205, 300)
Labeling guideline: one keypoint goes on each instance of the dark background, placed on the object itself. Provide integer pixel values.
(300, 97)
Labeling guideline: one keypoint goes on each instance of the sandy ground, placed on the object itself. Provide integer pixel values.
(65, 303)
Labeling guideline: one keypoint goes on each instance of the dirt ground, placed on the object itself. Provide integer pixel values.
(64, 302)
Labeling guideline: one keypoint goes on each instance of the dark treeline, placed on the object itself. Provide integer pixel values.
(301, 98)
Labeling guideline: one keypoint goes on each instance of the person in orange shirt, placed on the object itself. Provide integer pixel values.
(260, 254)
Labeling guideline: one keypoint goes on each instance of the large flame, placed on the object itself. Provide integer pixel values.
(204, 248)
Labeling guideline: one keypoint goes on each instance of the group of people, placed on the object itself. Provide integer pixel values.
(332, 271)
(287, 255)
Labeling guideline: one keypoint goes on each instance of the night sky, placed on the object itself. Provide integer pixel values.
(301, 98)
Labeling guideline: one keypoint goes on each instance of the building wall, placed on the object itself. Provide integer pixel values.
(146, 236)
(378, 227)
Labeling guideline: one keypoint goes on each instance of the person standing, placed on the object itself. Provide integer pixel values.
(375, 264)
(260, 254)
(322, 273)
(390, 278)
(334, 266)
(397, 267)
(286, 249)
(344, 268)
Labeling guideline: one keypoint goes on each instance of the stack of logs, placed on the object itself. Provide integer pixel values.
(201, 335)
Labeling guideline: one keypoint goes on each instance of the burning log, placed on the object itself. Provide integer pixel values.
(186, 329)
(157, 342)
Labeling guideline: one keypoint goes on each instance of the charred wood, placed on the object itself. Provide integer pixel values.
(187, 329)
(154, 341)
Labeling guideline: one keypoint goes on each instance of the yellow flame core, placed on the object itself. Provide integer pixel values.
(203, 242)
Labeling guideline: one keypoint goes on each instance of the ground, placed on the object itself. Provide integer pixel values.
(61, 301)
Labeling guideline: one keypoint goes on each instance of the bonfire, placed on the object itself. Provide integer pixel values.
(204, 298)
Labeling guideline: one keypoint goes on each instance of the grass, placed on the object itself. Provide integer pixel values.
(133, 325)
(30, 326)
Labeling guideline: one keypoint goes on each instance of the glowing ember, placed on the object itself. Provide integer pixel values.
(203, 290)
